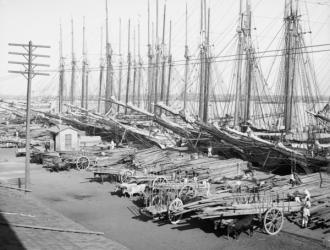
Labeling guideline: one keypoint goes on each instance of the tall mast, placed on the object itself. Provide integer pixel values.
(153, 66)
(101, 74)
(186, 55)
(134, 67)
(207, 69)
(120, 66)
(83, 68)
(61, 78)
(157, 61)
(140, 68)
(249, 60)
(86, 87)
(169, 65)
(86, 78)
(108, 85)
(149, 89)
(202, 54)
(291, 38)
(73, 65)
(128, 64)
(239, 68)
(162, 89)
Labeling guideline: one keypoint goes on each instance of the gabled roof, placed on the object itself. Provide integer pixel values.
(59, 128)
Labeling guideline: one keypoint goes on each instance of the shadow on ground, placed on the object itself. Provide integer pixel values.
(8, 237)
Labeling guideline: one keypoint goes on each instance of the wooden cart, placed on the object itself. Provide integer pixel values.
(78, 159)
(163, 196)
(267, 208)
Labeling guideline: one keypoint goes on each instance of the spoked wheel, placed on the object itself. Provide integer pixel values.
(158, 181)
(156, 201)
(173, 208)
(187, 192)
(82, 162)
(147, 200)
(126, 176)
(273, 221)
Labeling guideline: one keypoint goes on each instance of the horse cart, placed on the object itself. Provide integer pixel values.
(267, 209)
(164, 196)
(66, 160)
(78, 159)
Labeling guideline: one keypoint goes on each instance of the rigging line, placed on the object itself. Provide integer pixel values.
(226, 60)
(267, 28)
(227, 45)
(9, 77)
(317, 3)
(319, 30)
(223, 35)
(256, 5)
(266, 79)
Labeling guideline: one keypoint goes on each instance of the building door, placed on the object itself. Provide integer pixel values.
(68, 142)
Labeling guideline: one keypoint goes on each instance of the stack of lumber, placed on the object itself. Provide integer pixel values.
(320, 216)
(212, 168)
(113, 157)
(315, 183)
(318, 184)
(150, 158)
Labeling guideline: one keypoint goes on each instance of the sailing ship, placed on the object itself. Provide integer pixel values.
(294, 144)
(281, 138)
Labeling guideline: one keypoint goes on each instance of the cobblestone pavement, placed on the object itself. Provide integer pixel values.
(18, 208)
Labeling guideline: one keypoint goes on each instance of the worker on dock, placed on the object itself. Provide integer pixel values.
(305, 209)
(209, 151)
(305, 216)
(294, 179)
(47, 146)
(112, 145)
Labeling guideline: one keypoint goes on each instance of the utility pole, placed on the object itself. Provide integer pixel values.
(120, 66)
(82, 101)
(61, 77)
(186, 56)
(28, 73)
(169, 66)
(101, 75)
(128, 64)
(73, 65)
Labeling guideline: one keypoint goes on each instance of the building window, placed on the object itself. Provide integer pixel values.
(68, 141)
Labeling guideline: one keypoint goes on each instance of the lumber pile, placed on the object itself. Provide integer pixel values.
(318, 185)
(112, 157)
(212, 169)
(150, 158)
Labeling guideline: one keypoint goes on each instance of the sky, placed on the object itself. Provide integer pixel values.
(39, 20)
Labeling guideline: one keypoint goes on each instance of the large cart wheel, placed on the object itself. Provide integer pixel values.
(273, 221)
(158, 181)
(174, 206)
(127, 174)
(82, 162)
(156, 201)
(187, 192)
